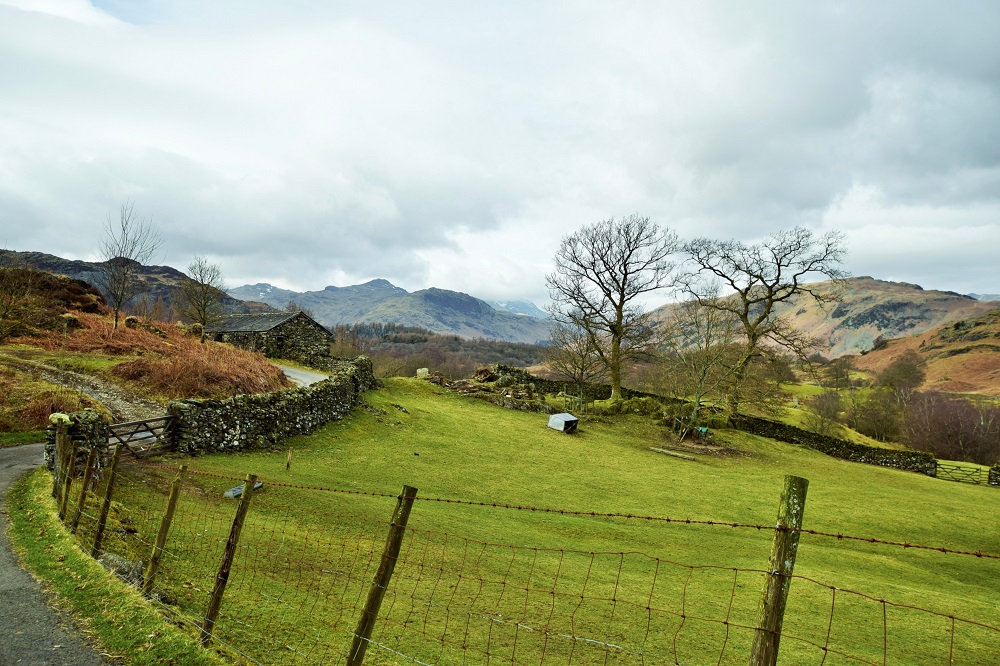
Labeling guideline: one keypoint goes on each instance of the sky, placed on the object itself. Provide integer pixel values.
(454, 144)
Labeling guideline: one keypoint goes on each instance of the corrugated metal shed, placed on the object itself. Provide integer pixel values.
(563, 422)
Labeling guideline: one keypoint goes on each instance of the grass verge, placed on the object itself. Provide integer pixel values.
(115, 614)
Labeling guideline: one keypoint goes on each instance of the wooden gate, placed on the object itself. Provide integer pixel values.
(143, 438)
(962, 473)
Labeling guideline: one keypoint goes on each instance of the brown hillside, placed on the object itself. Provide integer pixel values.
(866, 309)
(960, 357)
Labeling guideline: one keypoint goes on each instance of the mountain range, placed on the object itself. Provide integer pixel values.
(865, 311)
(439, 310)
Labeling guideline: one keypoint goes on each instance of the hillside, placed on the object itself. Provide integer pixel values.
(158, 282)
(866, 309)
(959, 357)
(438, 310)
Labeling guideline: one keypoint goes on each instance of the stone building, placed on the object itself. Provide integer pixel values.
(291, 335)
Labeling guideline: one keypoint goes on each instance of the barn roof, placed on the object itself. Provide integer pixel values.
(250, 323)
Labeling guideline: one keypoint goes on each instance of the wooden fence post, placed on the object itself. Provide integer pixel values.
(161, 536)
(215, 602)
(84, 489)
(393, 543)
(288, 463)
(779, 576)
(102, 520)
(69, 469)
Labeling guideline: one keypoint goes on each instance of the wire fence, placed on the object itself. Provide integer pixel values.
(307, 560)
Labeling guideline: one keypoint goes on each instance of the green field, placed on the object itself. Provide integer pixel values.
(477, 584)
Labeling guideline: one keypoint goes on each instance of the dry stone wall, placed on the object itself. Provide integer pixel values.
(913, 461)
(87, 429)
(266, 420)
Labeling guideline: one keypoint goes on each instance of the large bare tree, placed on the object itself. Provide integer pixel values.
(128, 243)
(761, 276)
(201, 294)
(602, 271)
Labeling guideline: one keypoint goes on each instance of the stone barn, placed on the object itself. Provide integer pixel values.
(292, 335)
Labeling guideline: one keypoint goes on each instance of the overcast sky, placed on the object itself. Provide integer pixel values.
(452, 144)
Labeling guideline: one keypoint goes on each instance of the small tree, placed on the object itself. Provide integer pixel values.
(573, 357)
(903, 376)
(824, 410)
(201, 294)
(699, 352)
(761, 276)
(128, 243)
(601, 272)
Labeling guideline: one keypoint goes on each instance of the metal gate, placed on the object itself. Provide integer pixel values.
(143, 438)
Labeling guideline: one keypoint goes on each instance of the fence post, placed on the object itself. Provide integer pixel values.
(69, 469)
(61, 422)
(779, 576)
(87, 475)
(161, 536)
(215, 602)
(106, 506)
(393, 543)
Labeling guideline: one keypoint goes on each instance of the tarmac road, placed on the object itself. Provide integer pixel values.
(31, 632)
(302, 377)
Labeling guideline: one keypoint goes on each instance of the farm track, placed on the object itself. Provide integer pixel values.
(123, 405)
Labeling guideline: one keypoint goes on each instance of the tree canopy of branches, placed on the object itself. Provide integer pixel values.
(903, 376)
(201, 294)
(128, 243)
(601, 272)
(573, 357)
(761, 276)
(699, 350)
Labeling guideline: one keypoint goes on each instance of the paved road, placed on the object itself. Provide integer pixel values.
(303, 377)
(32, 633)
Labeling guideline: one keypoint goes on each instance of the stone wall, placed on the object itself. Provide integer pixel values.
(994, 476)
(266, 420)
(87, 429)
(912, 461)
(552, 387)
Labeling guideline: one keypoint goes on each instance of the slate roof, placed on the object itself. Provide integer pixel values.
(250, 323)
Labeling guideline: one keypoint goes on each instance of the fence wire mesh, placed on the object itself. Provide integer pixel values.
(307, 558)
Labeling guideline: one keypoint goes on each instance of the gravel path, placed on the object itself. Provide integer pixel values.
(123, 405)
(33, 633)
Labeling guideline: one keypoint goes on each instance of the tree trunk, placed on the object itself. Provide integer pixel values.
(616, 368)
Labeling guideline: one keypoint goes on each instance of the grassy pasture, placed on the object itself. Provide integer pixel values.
(480, 583)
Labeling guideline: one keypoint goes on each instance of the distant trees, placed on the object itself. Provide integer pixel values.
(760, 277)
(602, 271)
(200, 298)
(953, 428)
(128, 243)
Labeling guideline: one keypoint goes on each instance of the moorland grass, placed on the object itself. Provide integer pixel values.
(470, 570)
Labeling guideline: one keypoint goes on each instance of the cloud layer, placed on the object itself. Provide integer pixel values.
(453, 145)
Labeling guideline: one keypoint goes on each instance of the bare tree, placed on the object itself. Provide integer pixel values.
(128, 243)
(602, 270)
(201, 294)
(699, 352)
(762, 276)
(573, 357)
